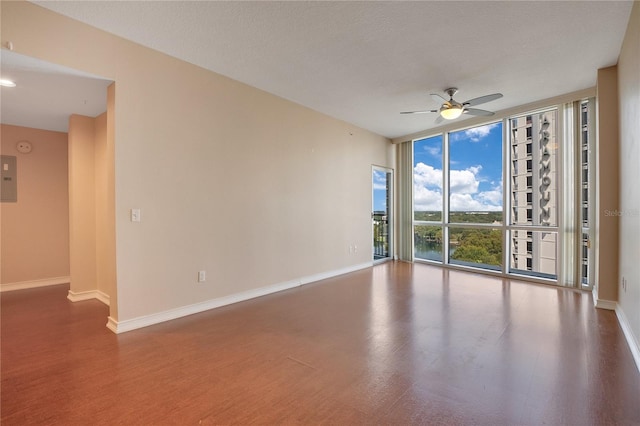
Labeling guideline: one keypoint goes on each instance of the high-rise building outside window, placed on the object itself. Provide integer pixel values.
(534, 197)
(586, 257)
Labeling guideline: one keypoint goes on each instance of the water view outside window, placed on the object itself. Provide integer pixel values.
(465, 214)
(475, 196)
(476, 247)
(427, 201)
(428, 242)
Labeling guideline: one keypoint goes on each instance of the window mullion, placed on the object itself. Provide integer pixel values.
(506, 194)
(445, 198)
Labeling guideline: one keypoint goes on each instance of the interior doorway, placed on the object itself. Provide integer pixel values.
(43, 110)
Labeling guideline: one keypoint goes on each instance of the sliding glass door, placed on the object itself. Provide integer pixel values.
(381, 214)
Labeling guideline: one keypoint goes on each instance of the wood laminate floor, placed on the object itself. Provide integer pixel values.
(393, 344)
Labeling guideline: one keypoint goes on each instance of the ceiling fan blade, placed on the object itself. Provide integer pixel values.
(419, 112)
(439, 119)
(479, 112)
(439, 99)
(482, 99)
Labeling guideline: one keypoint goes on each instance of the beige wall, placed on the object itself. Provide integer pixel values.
(82, 203)
(35, 230)
(101, 200)
(252, 188)
(607, 183)
(92, 238)
(104, 200)
(107, 277)
(629, 90)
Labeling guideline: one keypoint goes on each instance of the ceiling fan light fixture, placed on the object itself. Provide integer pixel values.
(7, 83)
(452, 109)
(451, 113)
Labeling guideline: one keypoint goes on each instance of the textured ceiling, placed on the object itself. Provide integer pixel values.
(364, 62)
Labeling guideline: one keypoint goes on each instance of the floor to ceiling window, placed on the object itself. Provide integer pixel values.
(428, 178)
(533, 224)
(489, 196)
(475, 196)
(586, 125)
(458, 197)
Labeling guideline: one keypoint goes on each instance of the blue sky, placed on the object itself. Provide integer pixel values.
(475, 170)
(379, 191)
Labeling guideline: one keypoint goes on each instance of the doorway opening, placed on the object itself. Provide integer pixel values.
(65, 119)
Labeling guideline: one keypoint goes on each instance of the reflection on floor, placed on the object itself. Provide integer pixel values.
(393, 344)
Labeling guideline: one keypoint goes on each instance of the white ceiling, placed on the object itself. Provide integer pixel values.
(46, 94)
(364, 62)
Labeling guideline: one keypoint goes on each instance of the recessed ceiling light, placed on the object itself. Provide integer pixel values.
(7, 83)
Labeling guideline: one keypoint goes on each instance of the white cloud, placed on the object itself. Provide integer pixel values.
(481, 201)
(464, 202)
(475, 134)
(427, 176)
(464, 181)
(464, 187)
(433, 150)
(427, 187)
(493, 197)
(475, 169)
(379, 180)
(427, 199)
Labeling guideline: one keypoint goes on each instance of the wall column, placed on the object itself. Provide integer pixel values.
(82, 210)
(607, 187)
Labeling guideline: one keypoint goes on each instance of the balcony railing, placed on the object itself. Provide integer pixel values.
(380, 235)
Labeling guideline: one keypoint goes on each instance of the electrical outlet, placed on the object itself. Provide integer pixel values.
(202, 276)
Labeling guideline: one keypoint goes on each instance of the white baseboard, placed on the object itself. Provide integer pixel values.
(23, 285)
(602, 303)
(88, 295)
(334, 273)
(112, 325)
(171, 314)
(605, 304)
(632, 341)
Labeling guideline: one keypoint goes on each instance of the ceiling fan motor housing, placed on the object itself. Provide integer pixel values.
(451, 91)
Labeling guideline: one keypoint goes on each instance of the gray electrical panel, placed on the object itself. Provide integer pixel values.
(9, 188)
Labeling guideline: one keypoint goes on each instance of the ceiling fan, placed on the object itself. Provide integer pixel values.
(452, 109)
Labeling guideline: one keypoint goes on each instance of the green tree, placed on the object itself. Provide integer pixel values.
(477, 246)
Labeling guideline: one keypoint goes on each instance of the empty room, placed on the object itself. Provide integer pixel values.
(319, 212)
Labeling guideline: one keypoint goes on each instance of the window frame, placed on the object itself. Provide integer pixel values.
(445, 221)
(562, 225)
